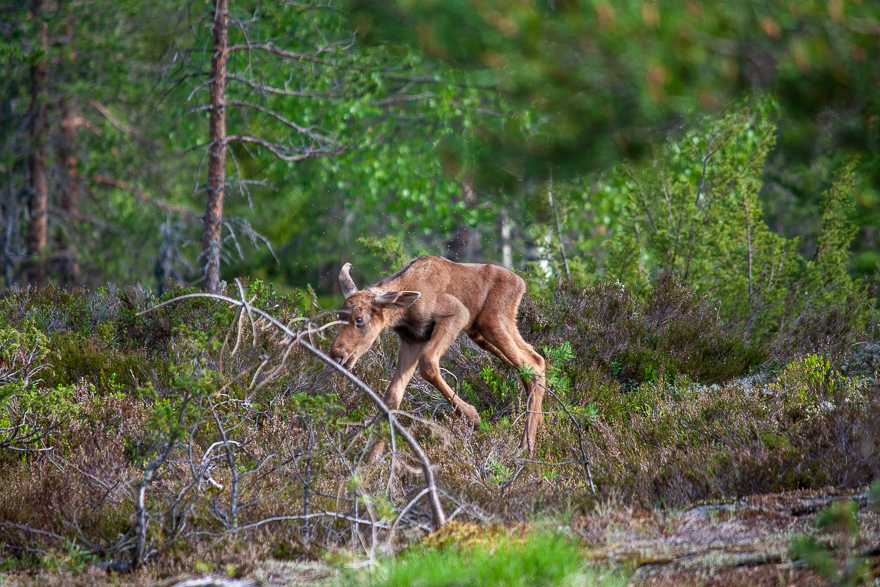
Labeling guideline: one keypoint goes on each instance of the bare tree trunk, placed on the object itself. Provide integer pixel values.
(70, 270)
(465, 242)
(6, 239)
(506, 251)
(217, 151)
(38, 200)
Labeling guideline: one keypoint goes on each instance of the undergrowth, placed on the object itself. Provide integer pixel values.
(659, 399)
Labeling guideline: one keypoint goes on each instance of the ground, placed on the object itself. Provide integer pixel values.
(743, 542)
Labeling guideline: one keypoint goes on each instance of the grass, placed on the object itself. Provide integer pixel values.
(536, 559)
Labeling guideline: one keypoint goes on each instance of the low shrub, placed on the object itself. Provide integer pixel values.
(672, 332)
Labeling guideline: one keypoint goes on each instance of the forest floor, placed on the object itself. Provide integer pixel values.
(743, 542)
(746, 542)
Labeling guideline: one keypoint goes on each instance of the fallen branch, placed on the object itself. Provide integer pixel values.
(438, 515)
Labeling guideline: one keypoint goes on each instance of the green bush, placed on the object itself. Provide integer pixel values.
(694, 210)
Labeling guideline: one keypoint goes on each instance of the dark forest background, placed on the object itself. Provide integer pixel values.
(571, 138)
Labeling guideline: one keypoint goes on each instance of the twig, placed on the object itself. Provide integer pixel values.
(558, 226)
(584, 460)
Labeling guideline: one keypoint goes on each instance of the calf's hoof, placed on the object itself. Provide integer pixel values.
(470, 413)
(376, 451)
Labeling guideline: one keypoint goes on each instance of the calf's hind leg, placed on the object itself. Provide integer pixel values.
(499, 335)
(519, 353)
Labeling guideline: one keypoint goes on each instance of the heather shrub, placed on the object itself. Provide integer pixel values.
(671, 332)
(162, 435)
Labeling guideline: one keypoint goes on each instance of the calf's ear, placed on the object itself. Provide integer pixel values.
(397, 300)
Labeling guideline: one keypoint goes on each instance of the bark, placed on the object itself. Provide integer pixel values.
(38, 198)
(217, 151)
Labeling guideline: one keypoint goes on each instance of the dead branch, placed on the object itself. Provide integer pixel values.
(584, 460)
(285, 121)
(326, 6)
(123, 128)
(142, 516)
(287, 153)
(282, 53)
(438, 514)
(327, 96)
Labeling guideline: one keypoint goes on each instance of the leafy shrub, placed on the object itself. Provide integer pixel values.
(695, 210)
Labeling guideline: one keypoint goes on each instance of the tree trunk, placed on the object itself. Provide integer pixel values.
(465, 242)
(38, 198)
(506, 250)
(217, 151)
(70, 270)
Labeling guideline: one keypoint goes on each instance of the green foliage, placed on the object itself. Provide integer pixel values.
(500, 473)
(502, 387)
(544, 89)
(16, 344)
(536, 560)
(52, 400)
(557, 380)
(559, 355)
(589, 81)
(804, 376)
(389, 250)
(23, 351)
(695, 210)
(837, 232)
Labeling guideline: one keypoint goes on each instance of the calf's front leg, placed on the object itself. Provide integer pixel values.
(429, 365)
(407, 360)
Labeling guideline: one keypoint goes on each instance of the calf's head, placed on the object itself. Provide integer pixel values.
(366, 314)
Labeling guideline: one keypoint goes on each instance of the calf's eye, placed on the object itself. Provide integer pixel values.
(358, 321)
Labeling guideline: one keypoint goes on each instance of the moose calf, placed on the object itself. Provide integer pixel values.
(428, 303)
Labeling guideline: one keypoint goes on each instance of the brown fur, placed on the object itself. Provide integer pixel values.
(428, 304)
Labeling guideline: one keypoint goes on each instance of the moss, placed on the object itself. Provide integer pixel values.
(537, 560)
